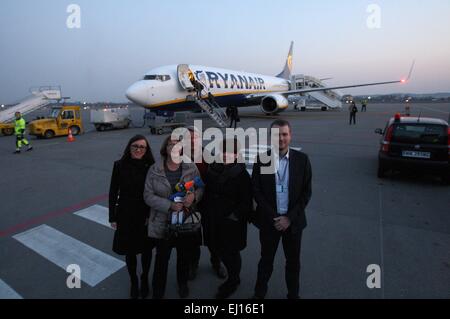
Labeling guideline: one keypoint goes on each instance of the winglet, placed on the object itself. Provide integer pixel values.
(410, 72)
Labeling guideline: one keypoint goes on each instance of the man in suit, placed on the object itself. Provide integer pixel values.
(281, 196)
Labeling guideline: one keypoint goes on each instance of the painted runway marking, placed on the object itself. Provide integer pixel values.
(63, 250)
(43, 218)
(97, 214)
(6, 292)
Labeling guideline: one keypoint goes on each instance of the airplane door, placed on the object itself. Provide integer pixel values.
(184, 77)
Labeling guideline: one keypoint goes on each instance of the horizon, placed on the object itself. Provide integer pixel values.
(118, 42)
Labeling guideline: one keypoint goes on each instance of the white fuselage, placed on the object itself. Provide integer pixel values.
(161, 90)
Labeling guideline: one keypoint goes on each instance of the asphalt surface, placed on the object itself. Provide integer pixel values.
(401, 223)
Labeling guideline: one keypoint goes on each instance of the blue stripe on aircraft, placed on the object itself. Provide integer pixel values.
(224, 101)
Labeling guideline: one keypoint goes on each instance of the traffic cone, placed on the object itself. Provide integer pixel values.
(70, 137)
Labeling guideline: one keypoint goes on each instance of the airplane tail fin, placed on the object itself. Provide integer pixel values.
(286, 73)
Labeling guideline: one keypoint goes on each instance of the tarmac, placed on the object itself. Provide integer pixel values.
(54, 213)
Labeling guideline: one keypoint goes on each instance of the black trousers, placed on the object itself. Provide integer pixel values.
(214, 258)
(233, 263)
(185, 249)
(269, 240)
(353, 117)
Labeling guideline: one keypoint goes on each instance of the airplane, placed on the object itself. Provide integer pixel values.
(169, 88)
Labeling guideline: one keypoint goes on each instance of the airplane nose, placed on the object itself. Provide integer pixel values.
(138, 93)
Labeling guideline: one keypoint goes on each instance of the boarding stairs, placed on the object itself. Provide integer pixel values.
(39, 98)
(330, 98)
(207, 104)
(211, 107)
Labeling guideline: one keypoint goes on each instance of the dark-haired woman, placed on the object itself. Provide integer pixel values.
(227, 204)
(128, 212)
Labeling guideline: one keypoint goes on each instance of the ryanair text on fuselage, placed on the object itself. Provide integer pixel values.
(231, 81)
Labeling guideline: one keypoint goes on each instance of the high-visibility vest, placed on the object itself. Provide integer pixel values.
(20, 125)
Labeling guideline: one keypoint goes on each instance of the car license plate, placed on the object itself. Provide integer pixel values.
(415, 154)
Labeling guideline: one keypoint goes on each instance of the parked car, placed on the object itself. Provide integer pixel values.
(417, 143)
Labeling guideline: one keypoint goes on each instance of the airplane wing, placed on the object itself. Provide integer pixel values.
(307, 90)
(293, 92)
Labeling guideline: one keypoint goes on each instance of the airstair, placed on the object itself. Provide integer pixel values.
(39, 98)
(206, 101)
(212, 109)
(330, 98)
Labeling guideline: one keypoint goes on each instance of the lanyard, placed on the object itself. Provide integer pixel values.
(281, 180)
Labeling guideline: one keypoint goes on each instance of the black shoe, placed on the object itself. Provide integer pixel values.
(17, 152)
(258, 296)
(193, 271)
(30, 148)
(144, 287)
(227, 289)
(183, 291)
(134, 291)
(293, 297)
(220, 270)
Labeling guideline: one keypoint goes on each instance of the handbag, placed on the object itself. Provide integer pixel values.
(191, 227)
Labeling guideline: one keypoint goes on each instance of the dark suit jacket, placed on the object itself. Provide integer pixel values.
(264, 192)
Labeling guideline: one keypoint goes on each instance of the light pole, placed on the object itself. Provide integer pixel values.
(408, 107)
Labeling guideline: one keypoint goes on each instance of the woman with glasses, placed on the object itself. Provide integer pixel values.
(159, 186)
(128, 212)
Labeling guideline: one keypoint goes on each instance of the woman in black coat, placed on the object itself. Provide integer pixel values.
(128, 212)
(227, 204)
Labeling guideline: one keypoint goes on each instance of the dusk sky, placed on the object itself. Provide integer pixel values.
(120, 40)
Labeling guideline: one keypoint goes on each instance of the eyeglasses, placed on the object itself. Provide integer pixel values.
(138, 147)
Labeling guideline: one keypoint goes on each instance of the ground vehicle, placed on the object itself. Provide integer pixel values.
(308, 103)
(165, 128)
(7, 128)
(104, 119)
(60, 120)
(166, 125)
(40, 97)
(414, 142)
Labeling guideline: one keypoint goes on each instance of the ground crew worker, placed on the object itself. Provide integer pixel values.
(353, 110)
(364, 106)
(19, 131)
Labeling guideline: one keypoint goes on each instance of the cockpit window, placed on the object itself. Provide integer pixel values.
(161, 78)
